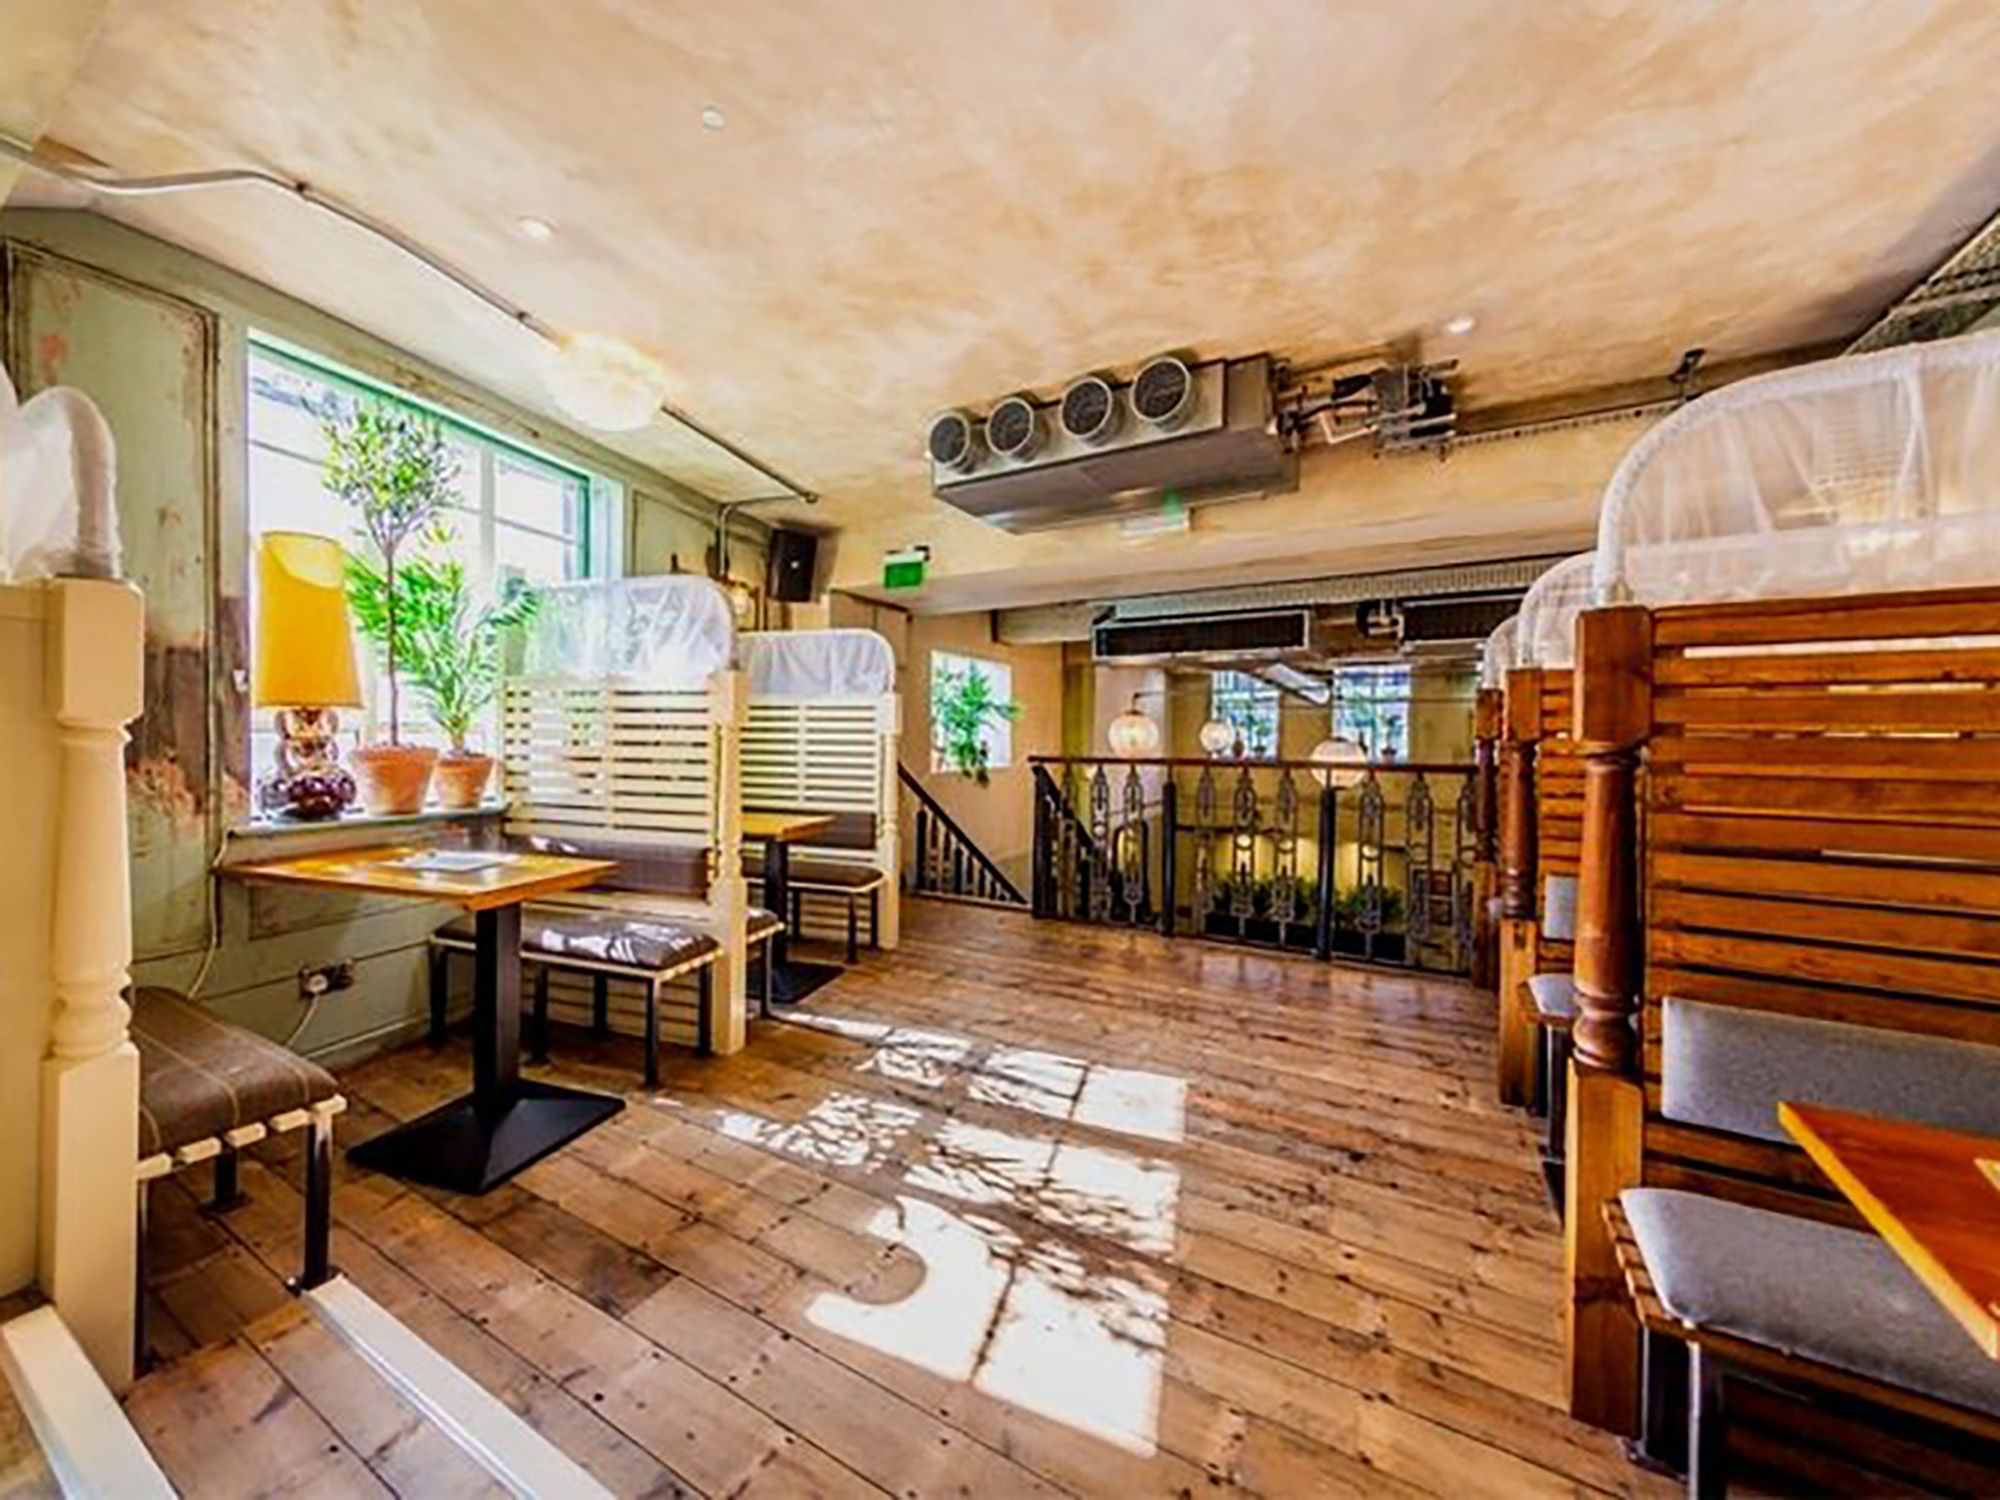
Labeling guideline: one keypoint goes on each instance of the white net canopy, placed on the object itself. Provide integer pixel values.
(58, 470)
(819, 664)
(1497, 656)
(1546, 636)
(1858, 475)
(674, 630)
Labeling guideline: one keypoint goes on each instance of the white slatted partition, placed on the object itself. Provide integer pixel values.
(603, 758)
(830, 755)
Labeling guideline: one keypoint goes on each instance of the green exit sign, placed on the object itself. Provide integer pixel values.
(905, 570)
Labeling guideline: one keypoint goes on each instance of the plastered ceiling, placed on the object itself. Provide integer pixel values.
(921, 204)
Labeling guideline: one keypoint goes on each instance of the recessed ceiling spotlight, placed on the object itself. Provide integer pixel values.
(713, 118)
(541, 231)
(1461, 325)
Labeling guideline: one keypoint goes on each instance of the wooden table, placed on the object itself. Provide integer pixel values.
(778, 831)
(1928, 1193)
(476, 1142)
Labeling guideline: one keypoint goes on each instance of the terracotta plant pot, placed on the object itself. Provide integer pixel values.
(393, 778)
(461, 779)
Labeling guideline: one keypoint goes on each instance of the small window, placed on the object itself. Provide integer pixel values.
(1371, 707)
(1248, 705)
(972, 713)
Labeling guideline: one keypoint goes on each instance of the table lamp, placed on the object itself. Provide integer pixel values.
(304, 668)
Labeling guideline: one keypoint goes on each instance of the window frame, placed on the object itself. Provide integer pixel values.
(1003, 683)
(1363, 730)
(1256, 694)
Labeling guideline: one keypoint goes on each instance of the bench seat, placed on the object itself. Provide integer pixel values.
(820, 874)
(553, 934)
(1838, 1297)
(202, 1080)
(207, 1090)
(1554, 997)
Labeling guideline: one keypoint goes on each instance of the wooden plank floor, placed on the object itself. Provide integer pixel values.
(1021, 1209)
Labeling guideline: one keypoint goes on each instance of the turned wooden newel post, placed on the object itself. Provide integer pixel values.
(88, 1241)
(1520, 731)
(1614, 716)
(728, 890)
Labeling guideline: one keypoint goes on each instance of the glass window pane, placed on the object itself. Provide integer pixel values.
(530, 555)
(534, 497)
(953, 678)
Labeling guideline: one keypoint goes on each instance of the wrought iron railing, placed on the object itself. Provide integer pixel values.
(947, 862)
(1366, 862)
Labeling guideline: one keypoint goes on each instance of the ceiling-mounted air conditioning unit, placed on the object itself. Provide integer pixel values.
(1205, 431)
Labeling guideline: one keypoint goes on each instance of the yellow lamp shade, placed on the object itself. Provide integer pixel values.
(304, 649)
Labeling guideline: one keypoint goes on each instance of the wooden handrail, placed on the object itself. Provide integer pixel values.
(964, 840)
(1230, 763)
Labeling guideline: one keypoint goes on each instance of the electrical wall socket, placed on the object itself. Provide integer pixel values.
(325, 979)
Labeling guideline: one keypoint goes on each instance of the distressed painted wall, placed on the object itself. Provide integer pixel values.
(158, 338)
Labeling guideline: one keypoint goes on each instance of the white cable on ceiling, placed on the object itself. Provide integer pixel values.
(306, 193)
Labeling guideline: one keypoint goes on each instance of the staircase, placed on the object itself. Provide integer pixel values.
(948, 863)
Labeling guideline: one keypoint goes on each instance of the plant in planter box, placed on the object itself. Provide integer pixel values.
(450, 646)
(963, 707)
(395, 466)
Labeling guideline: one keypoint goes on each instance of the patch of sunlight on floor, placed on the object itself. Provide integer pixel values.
(1046, 1325)
(1083, 1188)
(1127, 1101)
(856, 1131)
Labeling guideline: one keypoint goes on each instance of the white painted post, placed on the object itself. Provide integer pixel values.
(888, 822)
(728, 892)
(90, 1080)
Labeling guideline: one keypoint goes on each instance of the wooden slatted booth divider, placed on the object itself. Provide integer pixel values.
(830, 755)
(582, 758)
(641, 764)
(1823, 805)
(1819, 835)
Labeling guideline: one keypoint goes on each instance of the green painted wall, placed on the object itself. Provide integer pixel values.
(158, 338)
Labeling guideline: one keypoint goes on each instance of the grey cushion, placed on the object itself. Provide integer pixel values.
(821, 874)
(1559, 908)
(1554, 995)
(632, 942)
(760, 924)
(1838, 1296)
(1728, 1068)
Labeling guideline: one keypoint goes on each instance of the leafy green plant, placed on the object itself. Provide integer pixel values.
(450, 644)
(394, 465)
(963, 706)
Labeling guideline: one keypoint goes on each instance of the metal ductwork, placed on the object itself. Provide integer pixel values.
(1203, 431)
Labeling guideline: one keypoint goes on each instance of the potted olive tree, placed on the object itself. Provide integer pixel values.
(396, 468)
(449, 644)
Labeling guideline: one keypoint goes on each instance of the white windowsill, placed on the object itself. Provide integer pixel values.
(336, 832)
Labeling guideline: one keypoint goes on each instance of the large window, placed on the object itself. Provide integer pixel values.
(517, 514)
(959, 686)
(1248, 705)
(1371, 707)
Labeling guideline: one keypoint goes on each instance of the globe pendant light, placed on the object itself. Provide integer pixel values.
(607, 384)
(1132, 734)
(1345, 762)
(1217, 736)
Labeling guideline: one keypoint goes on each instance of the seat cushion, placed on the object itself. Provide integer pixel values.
(1838, 1296)
(632, 942)
(1728, 1068)
(1554, 996)
(1559, 908)
(760, 924)
(825, 874)
(200, 1077)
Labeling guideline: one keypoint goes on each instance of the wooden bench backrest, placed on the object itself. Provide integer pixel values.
(1821, 797)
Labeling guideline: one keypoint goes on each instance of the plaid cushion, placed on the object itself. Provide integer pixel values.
(199, 1077)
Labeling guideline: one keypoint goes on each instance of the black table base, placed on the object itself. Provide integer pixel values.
(793, 980)
(466, 1148)
(507, 1122)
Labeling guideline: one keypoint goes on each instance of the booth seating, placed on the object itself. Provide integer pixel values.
(836, 879)
(602, 934)
(1748, 1289)
(207, 1090)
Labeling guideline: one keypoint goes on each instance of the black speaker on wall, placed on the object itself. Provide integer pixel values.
(792, 559)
